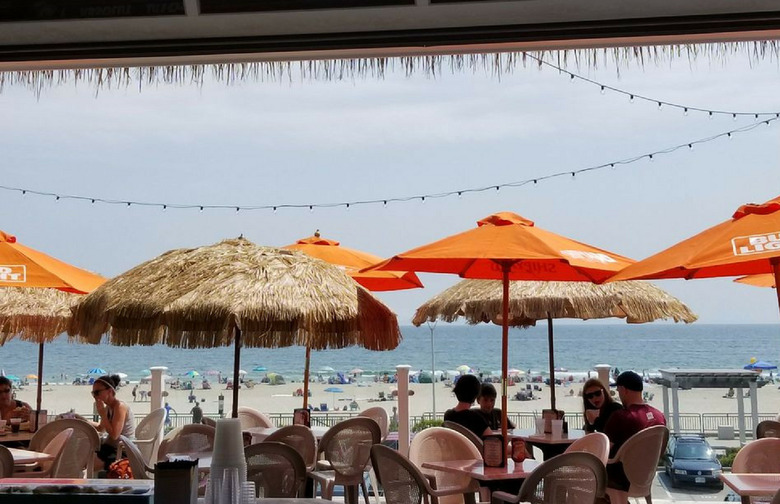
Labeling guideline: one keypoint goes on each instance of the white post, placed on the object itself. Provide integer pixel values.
(676, 407)
(754, 405)
(403, 408)
(158, 386)
(603, 372)
(741, 415)
(665, 393)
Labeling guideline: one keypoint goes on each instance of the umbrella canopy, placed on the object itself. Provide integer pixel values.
(235, 292)
(22, 266)
(31, 377)
(353, 261)
(191, 374)
(759, 366)
(764, 280)
(746, 244)
(36, 315)
(260, 369)
(507, 246)
(13, 377)
(96, 370)
(529, 301)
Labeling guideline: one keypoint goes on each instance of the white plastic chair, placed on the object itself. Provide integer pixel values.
(437, 444)
(137, 463)
(252, 418)
(6, 463)
(595, 443)
(149, 434)
(380, 416)
(79, 455)
(759, 456)
(190, 438)
(56, 447)
(639, 456)
(302, 439)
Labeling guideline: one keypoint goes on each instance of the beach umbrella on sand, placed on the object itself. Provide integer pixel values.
(508, 247)
(759, 366)
(334, 391)
(529, 301)
(96, 371)
(259, 369)
(352, 261)
(235, 292)
(746, 244)
(191, 374)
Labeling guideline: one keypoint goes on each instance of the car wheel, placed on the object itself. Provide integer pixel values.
(673, 481)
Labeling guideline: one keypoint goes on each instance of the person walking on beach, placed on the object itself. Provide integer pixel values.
(197, 413)
(116, 418)
(598, 405)
(487, 407)
(135, 391)
(466, 391)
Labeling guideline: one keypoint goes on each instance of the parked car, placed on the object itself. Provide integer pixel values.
(690, 459)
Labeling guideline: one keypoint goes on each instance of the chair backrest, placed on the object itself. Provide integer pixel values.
(571, 477)
(252, 418)
(759, 456)
(402, 481)
(595, 443)
(380, 416)
(436, 444)
(275, 467)
(640, 455)
(79, 453)
(347, 447)
(301, 438)
(209, 421)
(136, 459)
(189, 438)
(56, 447)
(149, 433)
(768, 428)
(6, 462)
(466, 432)
(776, 498)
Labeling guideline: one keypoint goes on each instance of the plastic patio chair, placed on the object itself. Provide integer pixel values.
(209, 421)
(302, 439)
(640, 455)
(79, 455)
(768, 428)
(346, 447)
(776, 498)
(759, 456)
(380, 416)
(401, 480)
(55, 447)
(576, 477)
(595, 443)
(466, 432)
(137, 463)
(252, 418)
(6, 463)
(276, 468)
(148, 435)
(189, 438)
(437, 444)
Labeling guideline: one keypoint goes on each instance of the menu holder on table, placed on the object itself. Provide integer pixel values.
(301, 416)
(494, 451)
(176, 482)
(549, 415)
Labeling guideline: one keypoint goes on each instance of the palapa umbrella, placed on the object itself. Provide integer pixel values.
(352, 261)
(508, 247)
(529, 301)
(746, 244)
(235, 292)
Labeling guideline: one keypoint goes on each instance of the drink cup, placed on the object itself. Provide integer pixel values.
(539, 425)
(15, 423)
(2, 425)
(557, 429)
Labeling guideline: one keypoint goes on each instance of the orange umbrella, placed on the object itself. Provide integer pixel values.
(353, 261)
(508, 247)
(766, 280)
(22, 266)
(746, 244)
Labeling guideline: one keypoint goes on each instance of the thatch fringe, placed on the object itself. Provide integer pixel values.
(193, 298)
(36, 315)
(481, 301)
(429, 65)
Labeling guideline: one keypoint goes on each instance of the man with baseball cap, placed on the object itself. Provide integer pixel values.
(622, 424)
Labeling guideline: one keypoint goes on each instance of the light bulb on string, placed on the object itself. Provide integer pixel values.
(165, 207)
(685, 111)
(650, 157)
(274, 209)
(710, 114)
(347, 206)
(311, 208)
(422, 199)
(460, 194)
(603, 90)
(690, 146)
(201, 209)
(238, 209)
(660, 106)
(734, 117)
(631, 98)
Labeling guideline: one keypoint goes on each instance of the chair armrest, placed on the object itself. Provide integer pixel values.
(613, 461)
(431, 480)
(498, 497)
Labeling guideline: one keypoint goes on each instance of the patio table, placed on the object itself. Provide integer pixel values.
(752, 485)
(259, 434)
(22, 457)
(16, 438)
(549, 445)
(477, 470)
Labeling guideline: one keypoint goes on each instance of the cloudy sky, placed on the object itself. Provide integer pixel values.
(304, 142)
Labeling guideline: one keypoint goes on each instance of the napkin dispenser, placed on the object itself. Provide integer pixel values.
(176, 482)
(549, 415)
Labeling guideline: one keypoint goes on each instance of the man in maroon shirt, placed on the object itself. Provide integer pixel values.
(623, 424)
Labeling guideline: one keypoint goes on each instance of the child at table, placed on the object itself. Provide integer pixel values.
(487, 407)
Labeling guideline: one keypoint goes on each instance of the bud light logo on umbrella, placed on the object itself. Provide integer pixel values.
(16, 273)
(756, 244)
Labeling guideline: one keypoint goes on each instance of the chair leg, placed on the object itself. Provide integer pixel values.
(365, 491)
(617, 496)
(649, 498)
(374, 484)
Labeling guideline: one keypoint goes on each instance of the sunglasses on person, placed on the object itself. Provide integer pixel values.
(591, 395)
(96, 392)
(5, 391)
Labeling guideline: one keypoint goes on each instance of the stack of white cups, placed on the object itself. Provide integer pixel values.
(228, 465)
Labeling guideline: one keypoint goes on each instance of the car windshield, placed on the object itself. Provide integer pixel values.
(693, 451)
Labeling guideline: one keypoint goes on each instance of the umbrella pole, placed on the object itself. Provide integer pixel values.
(236, 363)
(506, 266)
(776, 270)
(551, 349)
(306, 378)
(39, 397)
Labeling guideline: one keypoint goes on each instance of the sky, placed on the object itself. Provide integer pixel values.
(307, 142)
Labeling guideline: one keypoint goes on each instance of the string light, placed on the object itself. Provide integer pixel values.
(384, 201)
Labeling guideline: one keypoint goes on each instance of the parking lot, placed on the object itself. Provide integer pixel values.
(662, 490)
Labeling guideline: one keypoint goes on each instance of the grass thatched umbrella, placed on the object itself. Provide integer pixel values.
(236, 292)
(36, 315)
(529, 301)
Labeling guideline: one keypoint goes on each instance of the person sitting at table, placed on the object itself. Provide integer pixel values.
(466, 391)
(116, 419)
(10, 407)
(598, 405)
(487, 407)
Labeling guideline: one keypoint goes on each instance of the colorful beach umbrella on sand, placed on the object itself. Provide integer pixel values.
(259, 369)
(235, 293)
(191, 374)
(505, 246)
(759, 366)
(96, 371)
(352, 261)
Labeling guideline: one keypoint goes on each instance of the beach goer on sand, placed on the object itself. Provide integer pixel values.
(197, 413)
(116, 418)
(622, 424)
(598, 405)
(10, 407)
(135, 391)
(487, 407)
(466, 391)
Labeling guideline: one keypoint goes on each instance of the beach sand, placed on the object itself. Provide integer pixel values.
(279, 398)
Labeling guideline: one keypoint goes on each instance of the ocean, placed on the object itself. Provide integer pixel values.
(578, 347)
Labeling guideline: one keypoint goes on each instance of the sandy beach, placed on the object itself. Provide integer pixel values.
(280, 398)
